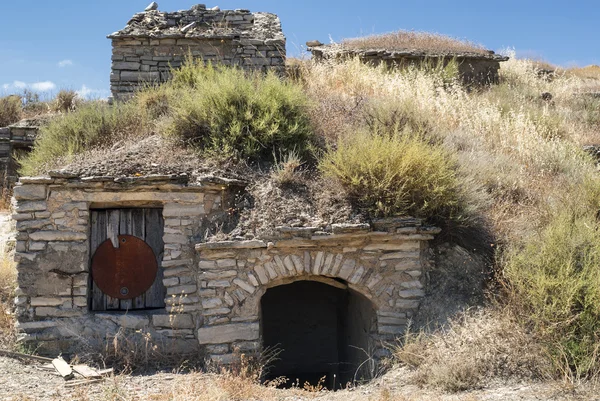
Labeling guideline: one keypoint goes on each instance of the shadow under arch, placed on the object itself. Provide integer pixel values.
(323, 328)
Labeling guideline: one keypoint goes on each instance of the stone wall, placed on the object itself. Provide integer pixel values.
(213, 289)
(53, 261)
(384, 267)
(153, 42)
(473, 68)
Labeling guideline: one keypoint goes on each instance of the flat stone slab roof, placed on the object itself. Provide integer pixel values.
(339, 50)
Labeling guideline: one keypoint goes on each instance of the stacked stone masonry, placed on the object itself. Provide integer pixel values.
(473, 68)
(17, 138)
(154, 42)
(213, 290)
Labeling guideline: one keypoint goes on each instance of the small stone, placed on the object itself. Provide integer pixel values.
(188, 27)
(44, 301)
(216, 8)
(313, 43)
(228, 333)
(180, 321)
(244, 285)
(212, 303)
(152, 6)
(30, 192)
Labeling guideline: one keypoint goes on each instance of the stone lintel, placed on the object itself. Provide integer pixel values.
(231, 245)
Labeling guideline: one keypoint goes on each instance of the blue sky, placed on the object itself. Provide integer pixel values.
(50, 45)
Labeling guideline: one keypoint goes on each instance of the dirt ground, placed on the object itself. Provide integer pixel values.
(24, 381)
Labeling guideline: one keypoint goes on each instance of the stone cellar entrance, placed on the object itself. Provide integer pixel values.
(322, 330)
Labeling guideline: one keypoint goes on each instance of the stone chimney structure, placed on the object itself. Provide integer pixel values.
(153, 42)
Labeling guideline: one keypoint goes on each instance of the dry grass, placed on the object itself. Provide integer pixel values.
(65, 101)
(473, 349)
(588, 72)
(412, 40)
(517, 152)
(8, 280)
(520, 158)
(10, 110)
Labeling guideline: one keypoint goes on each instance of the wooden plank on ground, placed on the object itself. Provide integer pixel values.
(63, 368)
(86, 372)
(105, 372)
(25, 356)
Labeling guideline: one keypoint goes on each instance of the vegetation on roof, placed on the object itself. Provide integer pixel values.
(414, 40)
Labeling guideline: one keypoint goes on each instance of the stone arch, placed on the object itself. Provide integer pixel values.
(331, 268)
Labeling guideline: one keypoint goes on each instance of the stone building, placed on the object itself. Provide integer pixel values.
(474, 68)
(99, 254)
(17, 140)
(153, 42)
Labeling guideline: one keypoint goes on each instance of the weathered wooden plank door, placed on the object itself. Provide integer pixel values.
(146, 224)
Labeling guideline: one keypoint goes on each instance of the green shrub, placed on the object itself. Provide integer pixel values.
(395, 175)
(10, 110)
(555, 279)
(229, 113)
(92, 125)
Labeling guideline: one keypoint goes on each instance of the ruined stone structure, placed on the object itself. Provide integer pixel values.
(153, 42)
(473, 68)
(330, 299)
(15, 139)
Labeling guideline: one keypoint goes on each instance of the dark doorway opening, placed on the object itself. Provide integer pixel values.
(323, 333)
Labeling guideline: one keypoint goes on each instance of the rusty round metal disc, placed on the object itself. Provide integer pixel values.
(125, 272)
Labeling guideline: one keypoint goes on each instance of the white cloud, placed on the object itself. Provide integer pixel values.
(65, 63)
(87, 93)
(43, 86)
(84, 91)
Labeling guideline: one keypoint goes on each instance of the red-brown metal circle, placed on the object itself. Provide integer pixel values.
(125, 272)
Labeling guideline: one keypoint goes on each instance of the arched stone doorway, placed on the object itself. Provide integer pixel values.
(322, 330)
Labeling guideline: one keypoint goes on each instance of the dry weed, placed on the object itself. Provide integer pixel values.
(8, 283)
(10, 110)
(512, 145)
(473, 349)
(414, 40)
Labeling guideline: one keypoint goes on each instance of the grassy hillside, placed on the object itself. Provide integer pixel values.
(500, 167)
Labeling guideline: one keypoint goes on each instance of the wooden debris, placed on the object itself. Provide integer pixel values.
(86, 372)
(63, 368)
(24, 356)
(105, 372)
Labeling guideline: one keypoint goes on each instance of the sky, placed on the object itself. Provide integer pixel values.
(61, 44)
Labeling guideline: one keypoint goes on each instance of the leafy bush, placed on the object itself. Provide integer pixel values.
(230, 113)
(10, 110)
(395, 175)
(556, 283)
(92, 125)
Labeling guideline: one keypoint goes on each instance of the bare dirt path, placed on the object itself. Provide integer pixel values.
(22, 381)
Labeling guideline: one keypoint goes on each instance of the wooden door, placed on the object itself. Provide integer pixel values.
(146, 224)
